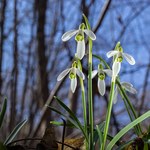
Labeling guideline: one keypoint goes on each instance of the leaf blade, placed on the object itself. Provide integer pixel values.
(15, 132)
(2, 113)
(126, 129)
(72, 115)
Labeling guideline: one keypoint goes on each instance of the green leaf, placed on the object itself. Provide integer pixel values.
(101, 127)
(67, 117)
(14, 132)
(2, 113)
(100, 134)
(62, 124)
(127, 128)
(72, 115)
(87, 22)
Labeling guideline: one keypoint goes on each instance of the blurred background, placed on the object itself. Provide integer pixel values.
(32, 55)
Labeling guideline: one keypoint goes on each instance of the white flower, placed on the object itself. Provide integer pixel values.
(119, 55)
(127, 86)
(79, 38)
(73, 71)
(101, 78)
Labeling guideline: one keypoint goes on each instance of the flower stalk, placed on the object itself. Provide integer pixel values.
(90, 98)
(108, 115)
(83, 100)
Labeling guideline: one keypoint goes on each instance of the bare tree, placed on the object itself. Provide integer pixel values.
(2, 38)
(15, 72)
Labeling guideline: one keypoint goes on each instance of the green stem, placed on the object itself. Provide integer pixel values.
(83, 102)
(90, 100)
(108, 114)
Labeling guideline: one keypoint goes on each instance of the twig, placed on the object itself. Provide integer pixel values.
(102, 15)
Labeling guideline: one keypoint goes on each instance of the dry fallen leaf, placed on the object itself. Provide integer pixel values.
(75, 143)
(48, 141)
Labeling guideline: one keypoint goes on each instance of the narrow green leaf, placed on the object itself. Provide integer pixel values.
(101, 127)
(127, 128)
(72, 115)
(56, 123)
(100, 134)
(62, 124)
(2, 113)
(67, 117)
(14, 132)
(87, 22)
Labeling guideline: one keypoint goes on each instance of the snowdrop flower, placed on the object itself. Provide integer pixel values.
(79, 38)
(127, 86)
(119, 56)
(101, 78)
(73, 71)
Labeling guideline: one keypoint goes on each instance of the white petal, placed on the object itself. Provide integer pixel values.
(132, 90)
(115, 96)
(101, 86)
(94, 72)
(80, 49)
(112, 53)
(63, 74)
(116, 68)
(73, 84)
(126, 84)
(90, 34)
(108, 72)
(129, 87)
(80, 74)
(66, 36)
(73, 69)
(129, 58)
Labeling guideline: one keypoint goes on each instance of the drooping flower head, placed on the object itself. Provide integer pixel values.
(126, 86)
(101, 78)
(79, 38)
(73, 72)
(119, 55)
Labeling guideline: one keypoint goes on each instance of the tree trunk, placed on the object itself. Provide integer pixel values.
(2, 22)
(14, 81)
(42, 59)
(41, 50)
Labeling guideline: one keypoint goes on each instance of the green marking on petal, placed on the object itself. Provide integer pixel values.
(72, 75)
(75, 64)
(82, 26)
(118, 47)
(101, 76)
(79, 37)
(100, 67)
(119, 59)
